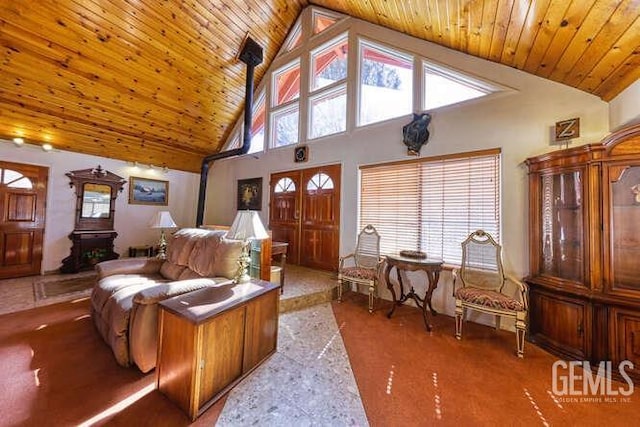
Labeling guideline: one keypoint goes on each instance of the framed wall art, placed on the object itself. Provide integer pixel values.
(250, 194)
(146, 191)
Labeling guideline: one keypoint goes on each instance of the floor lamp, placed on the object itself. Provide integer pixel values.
(246, 227)
(162, 220)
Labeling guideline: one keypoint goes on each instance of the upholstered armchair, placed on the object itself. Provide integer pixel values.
(366, 264)
(482, 281)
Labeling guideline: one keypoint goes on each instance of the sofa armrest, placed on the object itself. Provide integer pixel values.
(163, 291)
(128, 266)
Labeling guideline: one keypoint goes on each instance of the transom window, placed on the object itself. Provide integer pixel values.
(14, 179)
(320, 181)
(285, 185)
(432, 204)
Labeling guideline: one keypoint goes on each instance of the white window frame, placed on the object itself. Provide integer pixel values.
(388, 50)
(344, 37)
(295, 34)
(288, 108)
(274, 83)
(333, 91)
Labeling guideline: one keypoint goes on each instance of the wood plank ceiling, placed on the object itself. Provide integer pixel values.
(157, 81)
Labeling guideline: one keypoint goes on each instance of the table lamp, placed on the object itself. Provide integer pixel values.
(246, 227)
(162, 220)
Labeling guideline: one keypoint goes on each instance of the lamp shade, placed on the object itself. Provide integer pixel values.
(162, 219)
(247, 226)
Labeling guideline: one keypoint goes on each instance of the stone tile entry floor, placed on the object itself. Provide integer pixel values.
(307, 382)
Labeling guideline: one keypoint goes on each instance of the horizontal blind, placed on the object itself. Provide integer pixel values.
(389, 201)
(432, 205)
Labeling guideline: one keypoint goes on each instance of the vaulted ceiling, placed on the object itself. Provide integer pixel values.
(158, 82)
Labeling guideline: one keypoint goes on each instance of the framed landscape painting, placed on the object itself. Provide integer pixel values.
(145, 191)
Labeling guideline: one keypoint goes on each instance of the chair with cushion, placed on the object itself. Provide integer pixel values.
(482, 280)
(367, 262)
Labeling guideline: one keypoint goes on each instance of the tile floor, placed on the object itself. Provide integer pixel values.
(307, 382)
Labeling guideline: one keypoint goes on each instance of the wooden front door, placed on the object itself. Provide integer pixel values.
(305, 212)
(284, 212)
(23, 191)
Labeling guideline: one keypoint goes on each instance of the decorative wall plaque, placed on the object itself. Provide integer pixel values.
(568, 129)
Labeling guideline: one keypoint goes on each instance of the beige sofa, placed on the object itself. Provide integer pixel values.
(124, 300)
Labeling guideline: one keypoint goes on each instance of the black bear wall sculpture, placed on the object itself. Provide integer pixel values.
(416, 134)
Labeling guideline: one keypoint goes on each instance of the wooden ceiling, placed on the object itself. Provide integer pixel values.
(158, 82)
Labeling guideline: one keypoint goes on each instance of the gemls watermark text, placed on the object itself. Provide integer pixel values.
(579, 382)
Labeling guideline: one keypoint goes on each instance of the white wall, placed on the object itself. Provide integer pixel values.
(625, 108)
(520, 123)
(131, 221)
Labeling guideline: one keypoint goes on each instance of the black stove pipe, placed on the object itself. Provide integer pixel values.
(251, 55)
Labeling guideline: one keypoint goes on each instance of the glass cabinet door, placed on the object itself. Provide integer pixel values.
(625, 227)
(562, 226)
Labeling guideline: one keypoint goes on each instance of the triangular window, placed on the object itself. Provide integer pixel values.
(234, 142)
(443, 86)
(294, 39)
(257, 129)
(257, 125)
(321, 20)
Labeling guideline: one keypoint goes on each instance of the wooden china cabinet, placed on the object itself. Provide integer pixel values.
(585, 250)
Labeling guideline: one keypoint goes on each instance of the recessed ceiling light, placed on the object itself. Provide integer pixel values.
(18, 141)
(47, 147)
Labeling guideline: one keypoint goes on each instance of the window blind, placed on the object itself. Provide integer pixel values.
(433, 204)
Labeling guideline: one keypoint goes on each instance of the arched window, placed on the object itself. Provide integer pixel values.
(320, 181)
(15, 179)
(285, 185)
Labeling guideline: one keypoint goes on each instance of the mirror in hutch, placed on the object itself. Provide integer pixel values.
(93, 234)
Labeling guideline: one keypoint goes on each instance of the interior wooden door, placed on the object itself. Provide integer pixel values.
(284, 212)
(23, 191)
(305, 212)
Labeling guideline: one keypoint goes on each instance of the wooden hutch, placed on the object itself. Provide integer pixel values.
(585, 250)
(93, 234)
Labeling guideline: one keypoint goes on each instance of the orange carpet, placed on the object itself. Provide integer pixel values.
(55, 370)
(409, 377)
